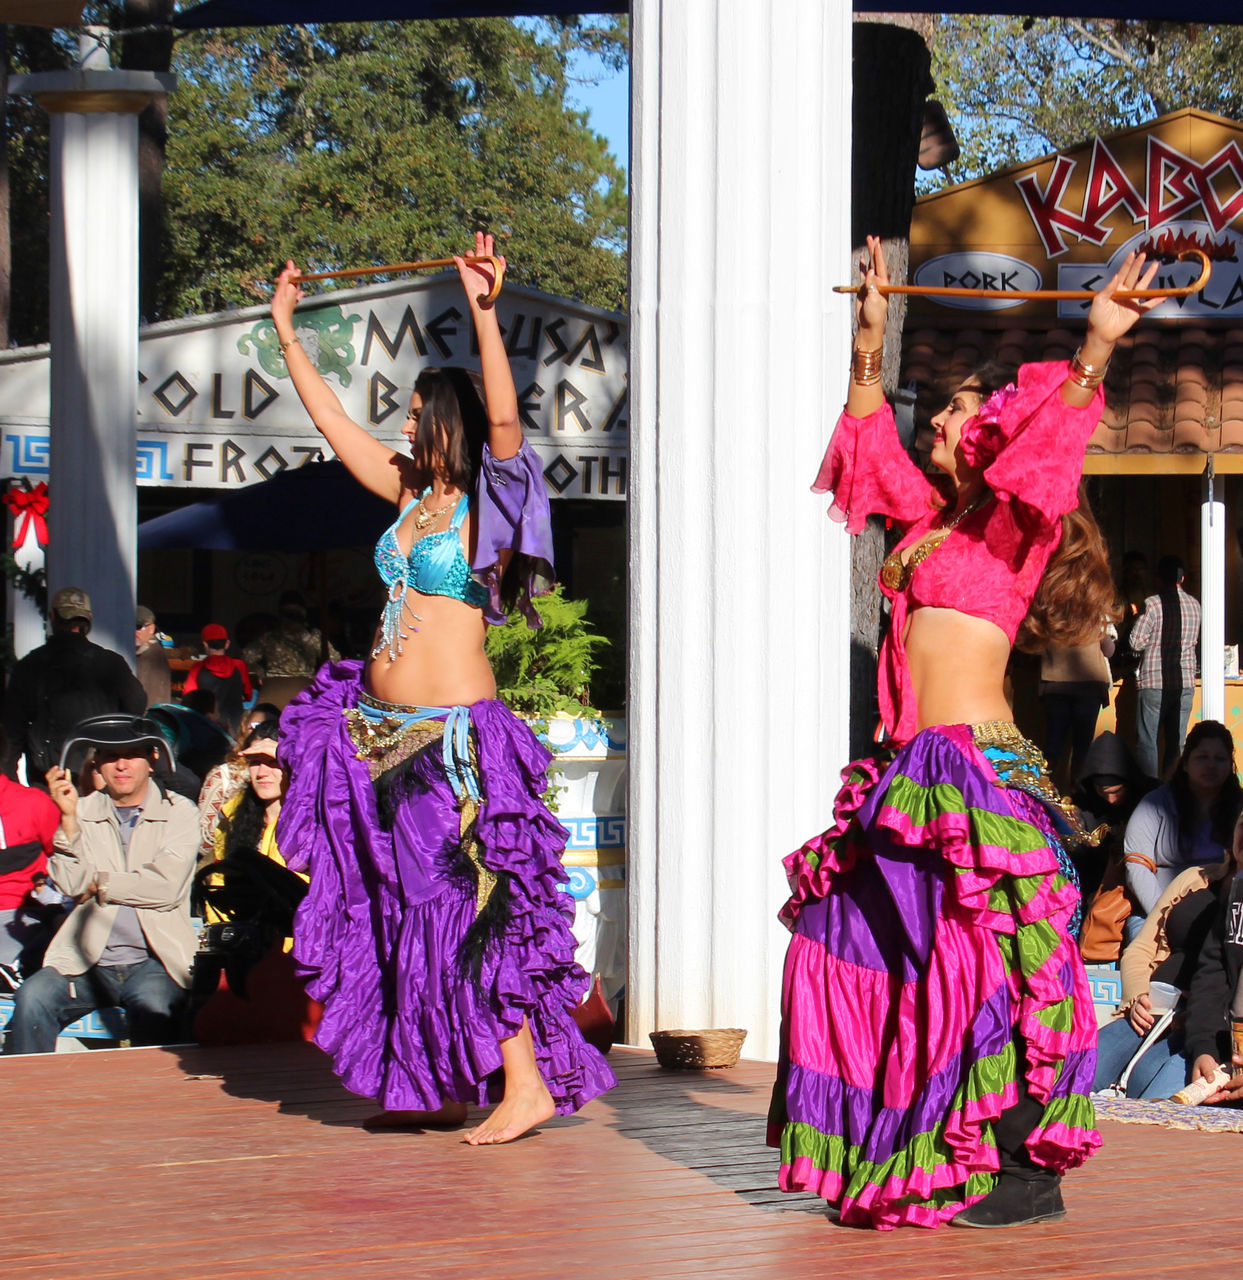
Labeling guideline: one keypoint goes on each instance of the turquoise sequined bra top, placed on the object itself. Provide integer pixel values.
(436, 566)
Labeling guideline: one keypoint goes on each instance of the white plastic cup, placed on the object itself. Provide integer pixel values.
(1162, 997)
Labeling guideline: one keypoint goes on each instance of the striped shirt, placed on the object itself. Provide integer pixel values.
(1145, 638)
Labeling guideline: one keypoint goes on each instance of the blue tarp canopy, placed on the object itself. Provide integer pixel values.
(315, 507)
(259, 13)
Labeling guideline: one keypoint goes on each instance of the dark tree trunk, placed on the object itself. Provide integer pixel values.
(149, 51)
(891, 84)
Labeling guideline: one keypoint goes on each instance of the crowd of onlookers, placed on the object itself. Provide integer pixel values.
(1160, 895)
(133, 818)
(146, 818)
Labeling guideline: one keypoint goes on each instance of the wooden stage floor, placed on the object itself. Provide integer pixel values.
(226, 1164)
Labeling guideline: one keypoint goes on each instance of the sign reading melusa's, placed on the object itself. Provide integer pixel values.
(216, 408)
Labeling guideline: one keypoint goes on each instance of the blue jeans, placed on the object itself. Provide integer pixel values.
(1173, 726)
(1160, 1072)
(49, 1000)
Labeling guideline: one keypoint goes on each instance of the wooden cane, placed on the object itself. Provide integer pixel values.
(1033, 295)
(428, 264)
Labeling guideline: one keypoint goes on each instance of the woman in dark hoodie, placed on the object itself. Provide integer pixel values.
(1110, 785)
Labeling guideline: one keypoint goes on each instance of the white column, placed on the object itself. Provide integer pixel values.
(92, 518)
(1213, 599)
(739, 584)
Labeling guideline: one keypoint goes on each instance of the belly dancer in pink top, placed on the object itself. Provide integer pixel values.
(938, 1037)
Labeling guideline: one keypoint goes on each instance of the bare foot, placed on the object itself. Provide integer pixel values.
(448, 1116)
(519, 1111)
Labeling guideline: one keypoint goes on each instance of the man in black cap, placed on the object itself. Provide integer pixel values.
(127, 852)
(60, 683)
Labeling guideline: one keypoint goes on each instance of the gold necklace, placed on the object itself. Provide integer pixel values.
(423, 517)
(896, 574)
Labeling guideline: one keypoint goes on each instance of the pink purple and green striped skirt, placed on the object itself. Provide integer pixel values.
(930, 969)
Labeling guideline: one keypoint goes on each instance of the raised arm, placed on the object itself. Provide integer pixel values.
(500, 396)
(1108, 320)
(372, 463)
(866, 394)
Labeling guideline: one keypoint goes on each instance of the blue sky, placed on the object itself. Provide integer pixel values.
(607, 103)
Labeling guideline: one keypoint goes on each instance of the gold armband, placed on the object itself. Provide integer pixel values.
(1087, 376)
(865, 366)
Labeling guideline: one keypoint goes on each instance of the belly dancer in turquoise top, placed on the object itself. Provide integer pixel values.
(436, 927)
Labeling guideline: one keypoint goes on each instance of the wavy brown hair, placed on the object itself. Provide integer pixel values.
(1076, 595)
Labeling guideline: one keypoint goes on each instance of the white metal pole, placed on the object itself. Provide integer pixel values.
(1213, 599)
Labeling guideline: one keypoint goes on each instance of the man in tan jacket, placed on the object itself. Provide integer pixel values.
(127, 853)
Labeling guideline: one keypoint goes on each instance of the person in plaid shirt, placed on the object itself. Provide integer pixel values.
(1165, 637)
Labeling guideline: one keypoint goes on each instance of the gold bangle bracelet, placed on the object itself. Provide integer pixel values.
(289, 343)
(865, 366)
(1087, 376)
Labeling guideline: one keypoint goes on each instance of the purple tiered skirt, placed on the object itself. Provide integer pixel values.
(378, 938)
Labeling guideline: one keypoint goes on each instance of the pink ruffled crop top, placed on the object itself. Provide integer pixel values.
(991, 564)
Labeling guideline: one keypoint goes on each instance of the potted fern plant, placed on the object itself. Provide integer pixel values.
(545, 676)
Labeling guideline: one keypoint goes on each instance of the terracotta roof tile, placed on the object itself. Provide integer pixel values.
(1143, 437)
(1170, 388)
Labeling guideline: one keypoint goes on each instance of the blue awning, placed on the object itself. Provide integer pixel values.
(316, 507)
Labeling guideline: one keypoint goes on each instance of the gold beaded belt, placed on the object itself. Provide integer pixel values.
(1029, 771)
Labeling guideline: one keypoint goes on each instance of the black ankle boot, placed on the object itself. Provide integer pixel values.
(1015, 1202)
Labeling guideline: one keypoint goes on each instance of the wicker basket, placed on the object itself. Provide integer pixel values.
(697, 1050)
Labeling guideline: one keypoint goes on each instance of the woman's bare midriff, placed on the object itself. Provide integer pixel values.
(442, 664)
(958, 667)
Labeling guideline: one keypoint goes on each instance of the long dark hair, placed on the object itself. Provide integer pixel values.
(243, 828)
(453, 424)
(1076, 595)
(1225, 808)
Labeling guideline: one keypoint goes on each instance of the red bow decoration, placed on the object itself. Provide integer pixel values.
(28, 505)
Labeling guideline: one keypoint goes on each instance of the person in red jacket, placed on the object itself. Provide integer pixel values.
(28, 821)
(221, 675)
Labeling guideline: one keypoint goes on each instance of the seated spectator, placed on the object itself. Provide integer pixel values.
(1185, 823)
(227, 678)
(1167, 950)
(1109, 785)
(28, 821)
(227, 779)
(126, 852)
(248, 883)
(1214, 998)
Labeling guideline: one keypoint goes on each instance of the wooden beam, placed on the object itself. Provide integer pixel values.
(1160, 464)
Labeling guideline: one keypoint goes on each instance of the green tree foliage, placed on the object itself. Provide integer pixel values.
(1017, 88)
(344, 145)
